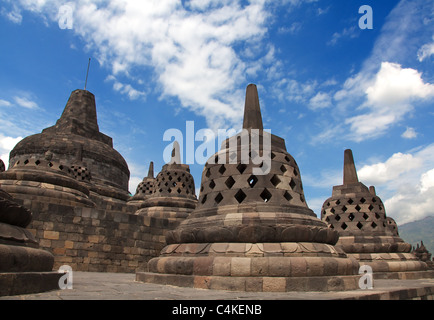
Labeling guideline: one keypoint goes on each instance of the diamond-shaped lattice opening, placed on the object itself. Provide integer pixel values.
(351, 216)
(357, 208)
(287, 159)
(344, 208)
(265, 195)
(287, 196)
(328, 204)
(26, 161)
(240, 196)
(218, 198)
(350, 201)
(208, 173)
(212, 184)
(179, 179)
(283, 168)
(370, 207)
(252, 181)
(338, 202)
(170, 178)
(179, 190)
(359, 225)
(204, 199)
(272, 156)
(241, 167)
(327, 219)
(174, 184)
(169, 190)
(37, 162)
(365, 216)
(332, 210)
(229, 182)
(363, 200)
(166, 184)
(292, 184)
(275, 180)
(222, 169)
(295, 172)
(344, 226)
(380, 207)
(338, 217)
(377, 216)
(373, 225)
(374, 200)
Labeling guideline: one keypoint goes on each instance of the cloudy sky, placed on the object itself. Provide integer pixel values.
(325, 84)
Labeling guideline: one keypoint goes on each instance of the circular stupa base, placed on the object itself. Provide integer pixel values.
(253, 284)
(292, 266)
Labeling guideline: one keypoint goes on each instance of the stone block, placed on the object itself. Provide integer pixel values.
(274, 284)
(240, 267)
(51, 235)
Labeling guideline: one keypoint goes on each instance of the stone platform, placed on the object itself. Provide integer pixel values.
(122, 286)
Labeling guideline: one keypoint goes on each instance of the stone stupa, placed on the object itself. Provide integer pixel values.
(73, 147)
(173, 196)
(252, 229)
(144, 189)
(24, 267)
(365, 232)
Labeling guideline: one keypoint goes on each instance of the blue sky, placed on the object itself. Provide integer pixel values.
(324, 83)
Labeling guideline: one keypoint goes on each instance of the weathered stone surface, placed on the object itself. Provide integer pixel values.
(365, 232)
(252, 222)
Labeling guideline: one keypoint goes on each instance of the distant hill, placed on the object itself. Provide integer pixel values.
(414, 232)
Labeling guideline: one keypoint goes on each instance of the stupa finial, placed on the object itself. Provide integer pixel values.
(176, 155)
(151, 170)
(252, 110)
(350, 173)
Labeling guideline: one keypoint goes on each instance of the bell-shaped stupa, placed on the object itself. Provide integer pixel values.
(144, 189)
(365, 232)
(252, 229)
(173, 196)
(75, 143)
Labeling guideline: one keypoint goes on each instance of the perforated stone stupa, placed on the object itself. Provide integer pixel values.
(76, 137)
(145, 188)
(252, 231)
(365, 232)
(173, 195)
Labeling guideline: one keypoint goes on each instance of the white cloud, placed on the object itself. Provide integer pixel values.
(25, 102)
(320, 100)
(396, 85)
(409, 133)
(427, 50)
(351, 32)
(383, 93)
(14, 15)
(389, 97)
(188, 44)
(405, 182)
(6, 145)
(5, 103)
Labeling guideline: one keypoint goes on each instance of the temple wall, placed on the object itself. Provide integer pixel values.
(97, 240)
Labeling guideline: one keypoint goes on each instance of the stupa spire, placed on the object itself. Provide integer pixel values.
(350, 173)
(176, 155)
(151, 170)
(252, 110)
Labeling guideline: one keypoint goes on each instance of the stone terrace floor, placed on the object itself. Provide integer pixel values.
(122, 286)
